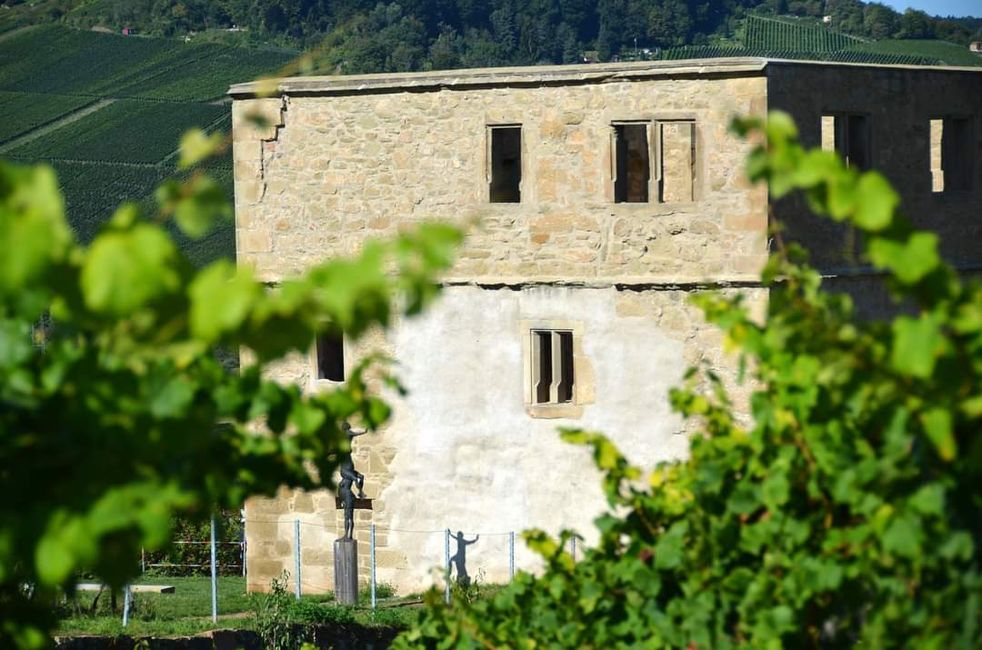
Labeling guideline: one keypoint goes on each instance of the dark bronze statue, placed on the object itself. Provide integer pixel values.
(349, 476)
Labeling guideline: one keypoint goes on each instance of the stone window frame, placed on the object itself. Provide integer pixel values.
(653, 120)
(524, 185)
(969, 143)
(316, 381)
(582, 382)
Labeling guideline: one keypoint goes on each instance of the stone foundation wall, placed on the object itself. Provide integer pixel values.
(463, 452)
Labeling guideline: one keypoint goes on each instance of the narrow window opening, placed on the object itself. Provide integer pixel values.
(330, 357)
(849, 135)
(506, 164)
(542, 367)
(552, 367)
(633, 163)
(564, 389)
(857, 148)
(956, 160)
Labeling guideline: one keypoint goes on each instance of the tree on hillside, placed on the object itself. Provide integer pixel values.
(116, 414)
(845, 514)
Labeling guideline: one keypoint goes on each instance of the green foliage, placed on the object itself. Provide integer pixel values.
(844, 515)
(193, 559)
(116, 413)
(272, 616)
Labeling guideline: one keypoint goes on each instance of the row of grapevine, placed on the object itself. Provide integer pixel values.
(23, 112)
(126, 131)
(783, 35)
(220, 241)
(207, 76)
(844, 56)
(53, 59)
(64, 61)
(93, 189)
(944, 52)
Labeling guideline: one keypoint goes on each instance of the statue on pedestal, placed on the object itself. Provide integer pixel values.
(349, 476)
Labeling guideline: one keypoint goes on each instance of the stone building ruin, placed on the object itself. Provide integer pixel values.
(604, 196)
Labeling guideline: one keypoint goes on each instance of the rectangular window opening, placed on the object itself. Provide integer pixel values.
(552, 367)
(951, 162)
(506, 164)
(632, 163)
(849, 135)
(330, 357)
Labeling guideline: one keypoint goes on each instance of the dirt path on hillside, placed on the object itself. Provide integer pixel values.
(15, 32)
(57, 124)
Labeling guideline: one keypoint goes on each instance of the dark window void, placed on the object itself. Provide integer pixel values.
(850, 137)
(552, 367)
(330, 357)
(633, 164)
(956, 154)
(506, 164)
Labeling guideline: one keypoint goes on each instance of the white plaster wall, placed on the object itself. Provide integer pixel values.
(469, 456)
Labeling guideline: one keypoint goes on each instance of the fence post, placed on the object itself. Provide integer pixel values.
(242, 542)
(446, 557)
(296, 553)
(511, 555)
(373, 566)
(143, 561)
(572, 547)
(214, 575)
(126, 605)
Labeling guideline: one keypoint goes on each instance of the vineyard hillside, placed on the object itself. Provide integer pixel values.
(106, 111)
(789, 37)
(943, 52)
(794, 35)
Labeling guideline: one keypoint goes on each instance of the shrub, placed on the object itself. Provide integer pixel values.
(846, 514)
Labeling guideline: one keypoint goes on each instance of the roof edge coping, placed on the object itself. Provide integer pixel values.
(534, 75)
(511, 76)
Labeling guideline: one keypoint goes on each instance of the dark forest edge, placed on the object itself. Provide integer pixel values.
(370, 36)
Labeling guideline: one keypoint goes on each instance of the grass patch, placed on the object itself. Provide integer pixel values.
(187, 611)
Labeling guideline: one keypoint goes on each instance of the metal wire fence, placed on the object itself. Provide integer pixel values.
(214, 556)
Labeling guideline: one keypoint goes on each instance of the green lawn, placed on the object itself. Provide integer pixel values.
(187, 611)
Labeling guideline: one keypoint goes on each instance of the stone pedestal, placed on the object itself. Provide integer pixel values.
(346, 571)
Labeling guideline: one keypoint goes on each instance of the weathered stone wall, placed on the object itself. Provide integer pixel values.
(900, 103)
(344, 167)
(464, 451)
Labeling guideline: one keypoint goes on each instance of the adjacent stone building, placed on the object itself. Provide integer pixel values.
(603, 196)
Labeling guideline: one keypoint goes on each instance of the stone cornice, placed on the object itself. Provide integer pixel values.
(590, 73)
